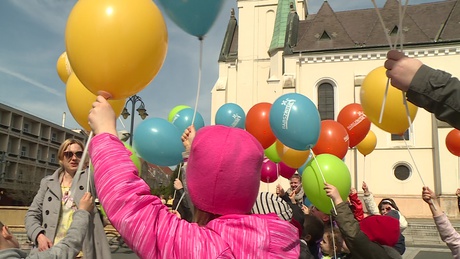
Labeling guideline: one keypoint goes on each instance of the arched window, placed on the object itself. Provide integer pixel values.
(326, 101)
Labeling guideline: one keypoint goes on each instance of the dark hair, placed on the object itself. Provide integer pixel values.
(314, 227)
(388, 201)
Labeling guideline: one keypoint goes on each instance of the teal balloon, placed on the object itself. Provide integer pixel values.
(231, 115)
(134, 157)
(183, 119)
(335, 172)
(175, 110)
(195, 17)
(295, 121)
(158, 142)
(301, 169)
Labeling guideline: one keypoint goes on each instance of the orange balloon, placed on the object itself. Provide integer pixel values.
(291, 157)
(355, 122)
(63, 67)
(367, 145)
(453, 142)
(258, 124)
(333, 139)
(80, 101)
(395, 119)
(116, 46)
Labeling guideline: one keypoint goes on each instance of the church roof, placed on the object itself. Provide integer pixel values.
(422, 24)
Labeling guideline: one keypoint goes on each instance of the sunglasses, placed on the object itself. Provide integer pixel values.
(70, 154)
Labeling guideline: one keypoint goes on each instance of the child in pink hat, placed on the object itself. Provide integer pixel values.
(222, 178)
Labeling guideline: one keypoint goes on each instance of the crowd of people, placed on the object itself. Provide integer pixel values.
(218, 211)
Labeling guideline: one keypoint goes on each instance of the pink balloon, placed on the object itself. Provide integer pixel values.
(285, 171)
(268, 173)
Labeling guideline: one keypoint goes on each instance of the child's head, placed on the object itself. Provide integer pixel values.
(386, 205)
(381, 229)
(313, 229)
(332, 238)
(223, 170)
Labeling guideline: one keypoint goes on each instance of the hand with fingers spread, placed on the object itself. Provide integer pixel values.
(102, 118)
(401, 69)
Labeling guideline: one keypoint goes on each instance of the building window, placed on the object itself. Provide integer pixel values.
(396, 137)
(402, 172)
(53, 158)
(26, 127)
(23, 151)
(326, 101)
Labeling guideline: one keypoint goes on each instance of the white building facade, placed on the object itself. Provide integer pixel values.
(267, 53)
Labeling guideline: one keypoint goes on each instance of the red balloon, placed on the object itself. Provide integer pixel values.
(258, 124)
(269, 172)
(453, 142)
(333, 139)
(285, 171)
(355, 122)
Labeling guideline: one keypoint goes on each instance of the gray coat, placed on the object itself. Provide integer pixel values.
(43, 216)
(67, 248)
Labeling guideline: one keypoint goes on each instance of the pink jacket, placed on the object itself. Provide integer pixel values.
(151, 231)
(448, 234)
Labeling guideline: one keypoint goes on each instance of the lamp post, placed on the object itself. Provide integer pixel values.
(141, 110)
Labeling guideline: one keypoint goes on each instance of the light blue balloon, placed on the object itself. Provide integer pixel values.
(183, 119)
(231, 115)
(158, 142)
(195, 17)
(302, 167)
(295, 121)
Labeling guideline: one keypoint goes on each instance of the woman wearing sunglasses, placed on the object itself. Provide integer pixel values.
(50, 214)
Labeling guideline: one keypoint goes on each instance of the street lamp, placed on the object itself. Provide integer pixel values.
(141, 110)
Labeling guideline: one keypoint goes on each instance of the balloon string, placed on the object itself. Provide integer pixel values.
(364, 170)
(383, 24)
(333, 236)
(418, 172)
(322, 176)
(180, 200)
(178, 176)
(384, 100)
(411, 128)
(199, 80)
(77, 176)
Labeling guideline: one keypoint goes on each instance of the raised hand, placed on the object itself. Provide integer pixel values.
(428, 195)
(86, 202)
(187, 137)
(401, 69)
(365, 188)
(178, 184)
(333, 193)
(102, 117)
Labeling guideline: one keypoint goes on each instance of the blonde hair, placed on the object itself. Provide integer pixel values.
(64, 146)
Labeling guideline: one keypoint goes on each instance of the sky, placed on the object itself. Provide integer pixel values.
(32, 39)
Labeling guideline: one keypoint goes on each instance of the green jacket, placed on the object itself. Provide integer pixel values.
(357, 242)
(437, 92)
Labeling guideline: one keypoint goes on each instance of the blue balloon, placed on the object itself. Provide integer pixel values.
(195, 17)
(231, 115)
(158, 142)
(307, 202)
(295, 121)
(302, 167)
(183, 119)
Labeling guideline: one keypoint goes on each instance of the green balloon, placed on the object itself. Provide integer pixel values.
(335, 172)
(175, 110)
(272, 154)
(134, 158)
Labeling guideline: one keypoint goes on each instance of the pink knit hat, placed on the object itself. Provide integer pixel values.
(381, 229)
(223, 170)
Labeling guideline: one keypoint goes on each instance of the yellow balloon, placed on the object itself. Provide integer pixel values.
(367, 145)
(395, 119)
(63, 67)
(291, 157)
(80, 101)
(116, 46)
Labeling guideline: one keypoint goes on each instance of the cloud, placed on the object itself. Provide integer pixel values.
(30, 81)
(50, 14)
